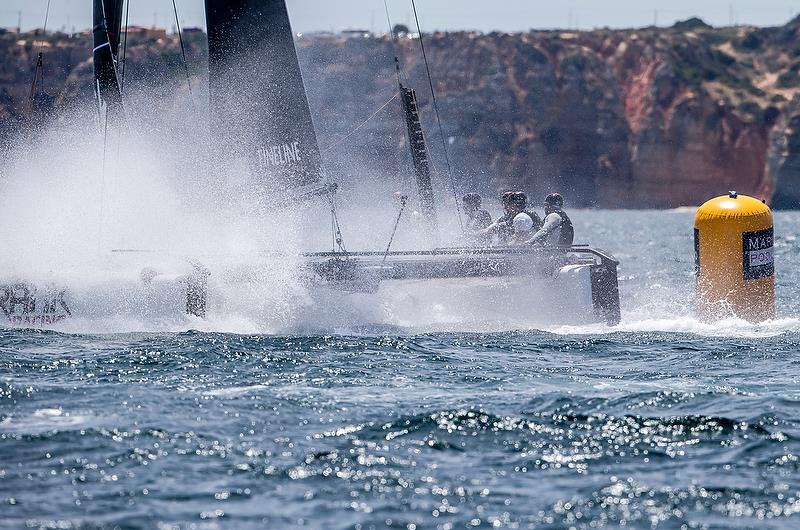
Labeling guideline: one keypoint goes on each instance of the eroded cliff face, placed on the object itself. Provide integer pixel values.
(783, 167)
(637, 118)
(153, 63)
(645, 118)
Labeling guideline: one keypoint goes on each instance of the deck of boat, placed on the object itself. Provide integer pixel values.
(456, 262)
(365, 271)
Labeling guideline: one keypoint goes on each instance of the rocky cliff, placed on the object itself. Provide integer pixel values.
(653, 117)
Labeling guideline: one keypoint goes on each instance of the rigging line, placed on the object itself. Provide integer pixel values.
(36, 70)
(125, 47)
(339, 236)
(388, 20)
(183, 49)
(44, 29)
(394, 44)
(351, 133)
(438, 118)
(102, 185)
(105, 136)
(39, 68)
(333, 223)
(120, 130)
(403, 202)
(333, 227)
(336, 231)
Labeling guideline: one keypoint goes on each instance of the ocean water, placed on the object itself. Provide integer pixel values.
(660, 422)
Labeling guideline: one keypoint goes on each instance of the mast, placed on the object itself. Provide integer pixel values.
(259, 105)
(106, 33)
(419, 157)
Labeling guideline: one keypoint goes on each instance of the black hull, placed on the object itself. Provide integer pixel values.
(364, 271)
(468, 286)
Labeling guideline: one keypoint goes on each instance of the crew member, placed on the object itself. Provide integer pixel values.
(557, 229)
(523, 228)
(514, 204)
(536, 222)
(477, 217)
(499, 227)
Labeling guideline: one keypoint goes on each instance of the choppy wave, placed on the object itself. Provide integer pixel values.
(731, 327)
(664, 421)
(443, 430)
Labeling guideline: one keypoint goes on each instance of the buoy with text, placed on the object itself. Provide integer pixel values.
(734, 265)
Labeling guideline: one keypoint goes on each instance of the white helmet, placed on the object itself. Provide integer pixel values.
(523, 223)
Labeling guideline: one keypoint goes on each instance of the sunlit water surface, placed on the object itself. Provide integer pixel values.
(662, 422)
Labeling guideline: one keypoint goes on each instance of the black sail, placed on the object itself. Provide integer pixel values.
(106, 34)
(419, 157)
(258, 102)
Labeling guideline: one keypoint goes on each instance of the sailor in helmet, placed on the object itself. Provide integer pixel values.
(557, 229)
(522, 226)
(477, 218)
(517, 223)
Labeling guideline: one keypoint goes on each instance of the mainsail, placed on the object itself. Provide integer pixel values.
(106, 33)
(259, 104)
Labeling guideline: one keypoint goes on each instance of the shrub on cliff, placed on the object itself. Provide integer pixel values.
(691, 24)
(751, 41)
(790, 78)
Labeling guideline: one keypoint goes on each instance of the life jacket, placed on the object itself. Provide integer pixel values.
(504, 229)
(479, 221)
(537, 221)
(505, 226)
(567, 234)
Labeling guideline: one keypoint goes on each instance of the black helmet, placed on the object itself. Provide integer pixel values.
(472, 199)
(520, 200)
(507, 197)
(555, 200)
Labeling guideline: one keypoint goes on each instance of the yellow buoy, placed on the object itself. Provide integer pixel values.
(734, 259)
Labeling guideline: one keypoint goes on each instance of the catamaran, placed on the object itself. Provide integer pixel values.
(260, 114)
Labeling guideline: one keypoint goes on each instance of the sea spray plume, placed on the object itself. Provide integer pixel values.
(68, 213)
(361, 129)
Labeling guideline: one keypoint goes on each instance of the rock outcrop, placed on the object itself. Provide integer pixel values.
(784, 158)
(653, 117)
